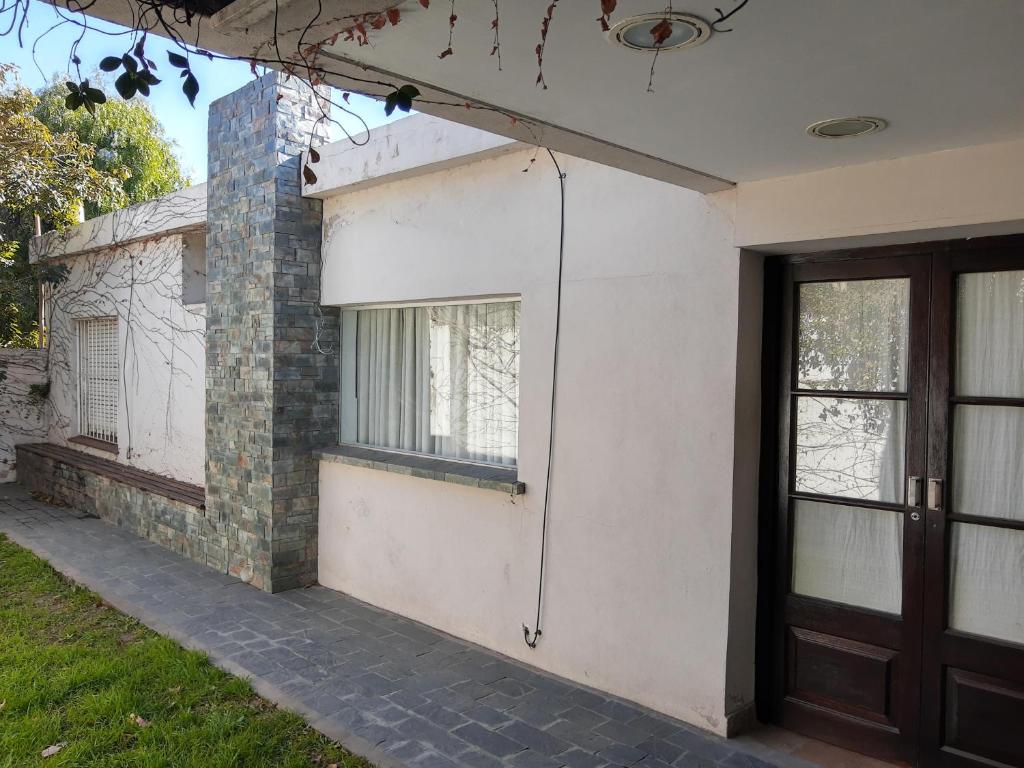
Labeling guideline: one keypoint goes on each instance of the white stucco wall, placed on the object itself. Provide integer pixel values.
(966, 192)
(161, 350)
(637, 594)
(22, 412)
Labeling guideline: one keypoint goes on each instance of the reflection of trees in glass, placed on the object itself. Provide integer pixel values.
(474, 382)
(853, 336)
(841, 452)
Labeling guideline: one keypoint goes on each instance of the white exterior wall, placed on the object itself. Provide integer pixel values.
(161, 351)
(968, 192)
(22, 412)
(637, 593)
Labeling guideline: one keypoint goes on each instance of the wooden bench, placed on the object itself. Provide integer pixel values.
(150, 482)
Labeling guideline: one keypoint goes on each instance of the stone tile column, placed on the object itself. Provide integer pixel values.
(271, 399)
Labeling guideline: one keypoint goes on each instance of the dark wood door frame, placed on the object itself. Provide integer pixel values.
(975, 666)
(977, 254)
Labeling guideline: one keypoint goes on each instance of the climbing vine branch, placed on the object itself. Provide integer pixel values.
(136, 72)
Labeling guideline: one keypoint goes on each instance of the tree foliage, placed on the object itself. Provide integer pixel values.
(129, 142)
(44, 173)
(41, 171)
(53, 160)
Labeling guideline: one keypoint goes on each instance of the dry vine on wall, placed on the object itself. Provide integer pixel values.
(23, 392)
(120, 270)
(136, 73)
(162, 340)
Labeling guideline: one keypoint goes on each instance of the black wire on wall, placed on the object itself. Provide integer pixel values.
(537, 632)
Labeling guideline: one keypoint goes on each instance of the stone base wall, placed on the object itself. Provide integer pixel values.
(173, 524)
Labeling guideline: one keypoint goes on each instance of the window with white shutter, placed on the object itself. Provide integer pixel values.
(98, 378)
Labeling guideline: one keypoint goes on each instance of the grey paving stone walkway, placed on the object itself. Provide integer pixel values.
(393, 690)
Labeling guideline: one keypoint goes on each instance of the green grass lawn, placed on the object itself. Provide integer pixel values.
(75, 671)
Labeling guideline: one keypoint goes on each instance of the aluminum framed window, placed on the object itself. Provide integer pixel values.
(436, 379)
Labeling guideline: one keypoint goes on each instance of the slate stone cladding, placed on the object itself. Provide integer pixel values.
(271, 399)
(177, 525)
(397, 692)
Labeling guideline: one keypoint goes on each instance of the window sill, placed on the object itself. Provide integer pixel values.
(502, 479)
(92, 442)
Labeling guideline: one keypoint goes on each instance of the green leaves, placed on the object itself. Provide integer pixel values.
(190, 86)
(125, 86)
(84, 95)
(308, 174)
(135, 81)
(46, 172)
(130, 144)
(146, 79)
(401, 98)
(136, 78)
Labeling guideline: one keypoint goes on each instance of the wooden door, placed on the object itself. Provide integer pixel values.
(898, 623)
(850, 528)
(973, 676)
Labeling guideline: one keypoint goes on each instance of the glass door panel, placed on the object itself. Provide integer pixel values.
(853, 398)
(973, 650)
(853, 335)
(986, 581)
(988, 461)
(990, 334)
(901, 504)
(850, 555)
(850, 447)
(986, 561)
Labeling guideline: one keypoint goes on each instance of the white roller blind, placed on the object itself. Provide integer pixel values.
(98, 378)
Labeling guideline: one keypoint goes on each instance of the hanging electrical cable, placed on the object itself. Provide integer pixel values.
(537, 632)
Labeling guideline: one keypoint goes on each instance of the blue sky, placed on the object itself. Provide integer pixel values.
(184, 125)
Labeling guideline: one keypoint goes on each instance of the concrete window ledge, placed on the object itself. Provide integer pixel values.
(92, 442)
(490, 478)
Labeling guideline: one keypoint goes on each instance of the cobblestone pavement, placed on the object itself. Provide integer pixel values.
(393, 690)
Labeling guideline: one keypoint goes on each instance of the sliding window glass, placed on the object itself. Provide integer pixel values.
(440, 380)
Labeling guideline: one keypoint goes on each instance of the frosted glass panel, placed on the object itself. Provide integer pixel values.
(853, 335)
(990, 334)
(987, 581)
(988, 461)
(848, 555)
(852, 448)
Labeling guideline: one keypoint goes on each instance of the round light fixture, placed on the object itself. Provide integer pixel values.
(846, 127)
(639, 34)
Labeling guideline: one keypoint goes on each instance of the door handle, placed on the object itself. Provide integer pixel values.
(913, 491)
(934, 494)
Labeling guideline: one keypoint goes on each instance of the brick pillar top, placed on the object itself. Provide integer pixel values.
(270, 398)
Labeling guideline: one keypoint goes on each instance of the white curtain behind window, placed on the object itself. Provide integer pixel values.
(990, 334)
(441, 380)
(393, 379)
(852, 336)
(987, 563)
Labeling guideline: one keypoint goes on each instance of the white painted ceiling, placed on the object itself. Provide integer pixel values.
(944, 73)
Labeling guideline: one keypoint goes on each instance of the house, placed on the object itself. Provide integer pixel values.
(742, 442)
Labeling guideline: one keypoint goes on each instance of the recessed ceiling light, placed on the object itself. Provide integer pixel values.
(635, 32)
(846, 127)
